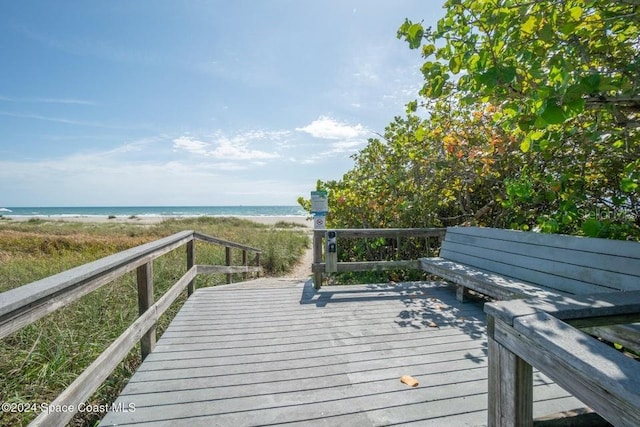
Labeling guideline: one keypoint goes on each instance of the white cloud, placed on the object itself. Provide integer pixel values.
(231, 148)
(189, 144)
(345, 138)
(327, 128)
(227, 149)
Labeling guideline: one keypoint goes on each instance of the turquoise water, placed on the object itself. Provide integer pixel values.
(153, 211)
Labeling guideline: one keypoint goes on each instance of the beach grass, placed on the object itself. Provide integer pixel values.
(40, 360)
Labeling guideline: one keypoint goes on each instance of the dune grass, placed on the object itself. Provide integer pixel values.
(40, 360)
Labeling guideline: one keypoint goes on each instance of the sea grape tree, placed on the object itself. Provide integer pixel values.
(564, 77)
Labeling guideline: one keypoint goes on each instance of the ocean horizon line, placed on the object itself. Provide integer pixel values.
(153, 211)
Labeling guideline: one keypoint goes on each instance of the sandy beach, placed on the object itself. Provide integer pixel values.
(267, 220)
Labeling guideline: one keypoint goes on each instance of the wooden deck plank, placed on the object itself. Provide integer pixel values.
(273, 352)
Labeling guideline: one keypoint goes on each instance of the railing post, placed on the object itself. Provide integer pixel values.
(227, 257)
(245, 275)
(510, 385)
(145, 300)
(317, 257)
(257, 263)
(191, 258)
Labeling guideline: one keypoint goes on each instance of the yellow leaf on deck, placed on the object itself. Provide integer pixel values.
(409, 380)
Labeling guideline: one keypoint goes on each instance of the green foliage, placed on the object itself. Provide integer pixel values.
(426, 173)
(564, 76)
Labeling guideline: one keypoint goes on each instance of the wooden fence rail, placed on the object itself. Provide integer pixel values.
(324, 261)
(24, 305)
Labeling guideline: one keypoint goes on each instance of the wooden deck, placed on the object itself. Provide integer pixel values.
(277, 352)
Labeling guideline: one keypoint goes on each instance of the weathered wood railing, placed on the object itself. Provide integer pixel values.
(24, 305)
(325, 262)
(544, 334)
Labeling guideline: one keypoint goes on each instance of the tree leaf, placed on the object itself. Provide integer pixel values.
(553, 114)
(529, 26)
(415, 33)
(592, 227)
(454, 64)
(628, 185)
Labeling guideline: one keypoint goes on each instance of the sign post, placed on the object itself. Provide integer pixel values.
(319, 209)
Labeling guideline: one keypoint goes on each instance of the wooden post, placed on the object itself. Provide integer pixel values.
(462, 293)
(258, 263)
(191, 257)
(145, 300)
(245, 275)
(317, 257)
(331, 251)
(227, 257)
(510, 385)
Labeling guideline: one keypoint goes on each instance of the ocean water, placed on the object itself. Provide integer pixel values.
(152, 211)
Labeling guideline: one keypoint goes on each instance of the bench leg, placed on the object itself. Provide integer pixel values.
(462, 293)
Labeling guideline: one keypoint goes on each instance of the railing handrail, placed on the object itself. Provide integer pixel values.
(319, 266)
(31, 292)
(209, 239)
(35, 300)
(24, 305)
(386, 232)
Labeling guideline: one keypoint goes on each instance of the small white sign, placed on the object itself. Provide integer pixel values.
(319, 222)
(319, 202)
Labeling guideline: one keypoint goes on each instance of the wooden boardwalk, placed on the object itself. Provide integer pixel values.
(276, 352)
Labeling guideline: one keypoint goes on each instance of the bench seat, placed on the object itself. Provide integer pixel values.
(506, 264)
(509, 264)
(483, 281)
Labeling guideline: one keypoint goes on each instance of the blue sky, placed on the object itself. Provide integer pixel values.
(195, 102)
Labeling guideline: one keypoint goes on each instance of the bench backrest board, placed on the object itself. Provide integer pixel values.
(571, 264)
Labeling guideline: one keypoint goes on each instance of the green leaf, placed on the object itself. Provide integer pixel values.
(529, 26)
(591, 83)
(576, 13)
(592, 227)
(553, 114)
(414, 35)
(574, 92)
(568, 28)
(575, 107)
(628, 185)
(489, 78)
(536, 135)
(547, 33)
(506, 74)
(428, 49)
(455, 64)
(436, 86)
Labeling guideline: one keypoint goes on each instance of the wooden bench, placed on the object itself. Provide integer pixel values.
(507, 264)
(587, 282)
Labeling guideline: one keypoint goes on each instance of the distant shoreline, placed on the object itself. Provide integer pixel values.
(150, 220)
